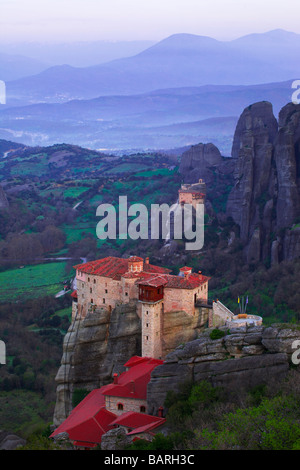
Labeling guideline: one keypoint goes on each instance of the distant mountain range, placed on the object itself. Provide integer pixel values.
(160, 119)
(13, 67)
(77, 54)
(181, 60)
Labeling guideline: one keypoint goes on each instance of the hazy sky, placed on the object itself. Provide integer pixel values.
(68, 20)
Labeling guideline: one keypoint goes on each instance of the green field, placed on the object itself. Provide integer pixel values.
(127, 168)
(159, 172)
(76, 234)
(65, 311)
(75, 191)
(32, 281)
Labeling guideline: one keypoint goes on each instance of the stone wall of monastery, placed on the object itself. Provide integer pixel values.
(129, 404)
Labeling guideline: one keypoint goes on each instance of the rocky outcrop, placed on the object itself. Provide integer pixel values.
(243, 358)
(179, 327)
(115, 439)
(265, 199)
(10, 441)
(100, 344)
(204, 161)
(199, 162)
(3, 199)
(287, 160)
(253, 148)
(94, 349)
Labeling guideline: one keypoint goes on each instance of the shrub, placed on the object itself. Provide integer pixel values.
(217, 334)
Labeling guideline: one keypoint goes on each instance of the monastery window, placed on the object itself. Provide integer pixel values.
(94, 281)
(120, 406)
(105, 291)
(92, 301)
(88, 279)
(147, 324)
(142, 409)
(126, 293)
(91, 290)
(82, 285)
(104, 301)
(147, 337)
(147, 312)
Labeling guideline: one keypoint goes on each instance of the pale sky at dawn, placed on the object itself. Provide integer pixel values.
(114, 20)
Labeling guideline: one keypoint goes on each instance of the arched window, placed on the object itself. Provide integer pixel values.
(142, 409)
(120, 406)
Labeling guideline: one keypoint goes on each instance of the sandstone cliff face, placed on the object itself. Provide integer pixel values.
(244, 358)
(287, 159)
(94, 349)
(252, 148)
(265, 199)
(100, 344)
(198, 162)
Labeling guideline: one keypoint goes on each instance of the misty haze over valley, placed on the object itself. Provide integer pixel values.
(142, 95)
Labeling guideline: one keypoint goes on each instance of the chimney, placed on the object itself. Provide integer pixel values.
(131, 386)
(147, 260)
(115, 378)
(160, 412)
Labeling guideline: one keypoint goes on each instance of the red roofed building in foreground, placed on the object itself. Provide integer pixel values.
(122, 403)
(112, 281)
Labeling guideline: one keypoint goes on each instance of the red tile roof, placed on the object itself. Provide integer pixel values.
(151, 275)
(134, 360)
(191, 191)
(154, 281)
(193, 281)
(115, 267)
(147, 428)
(89, 420)
(135, 420)
(138, 375)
